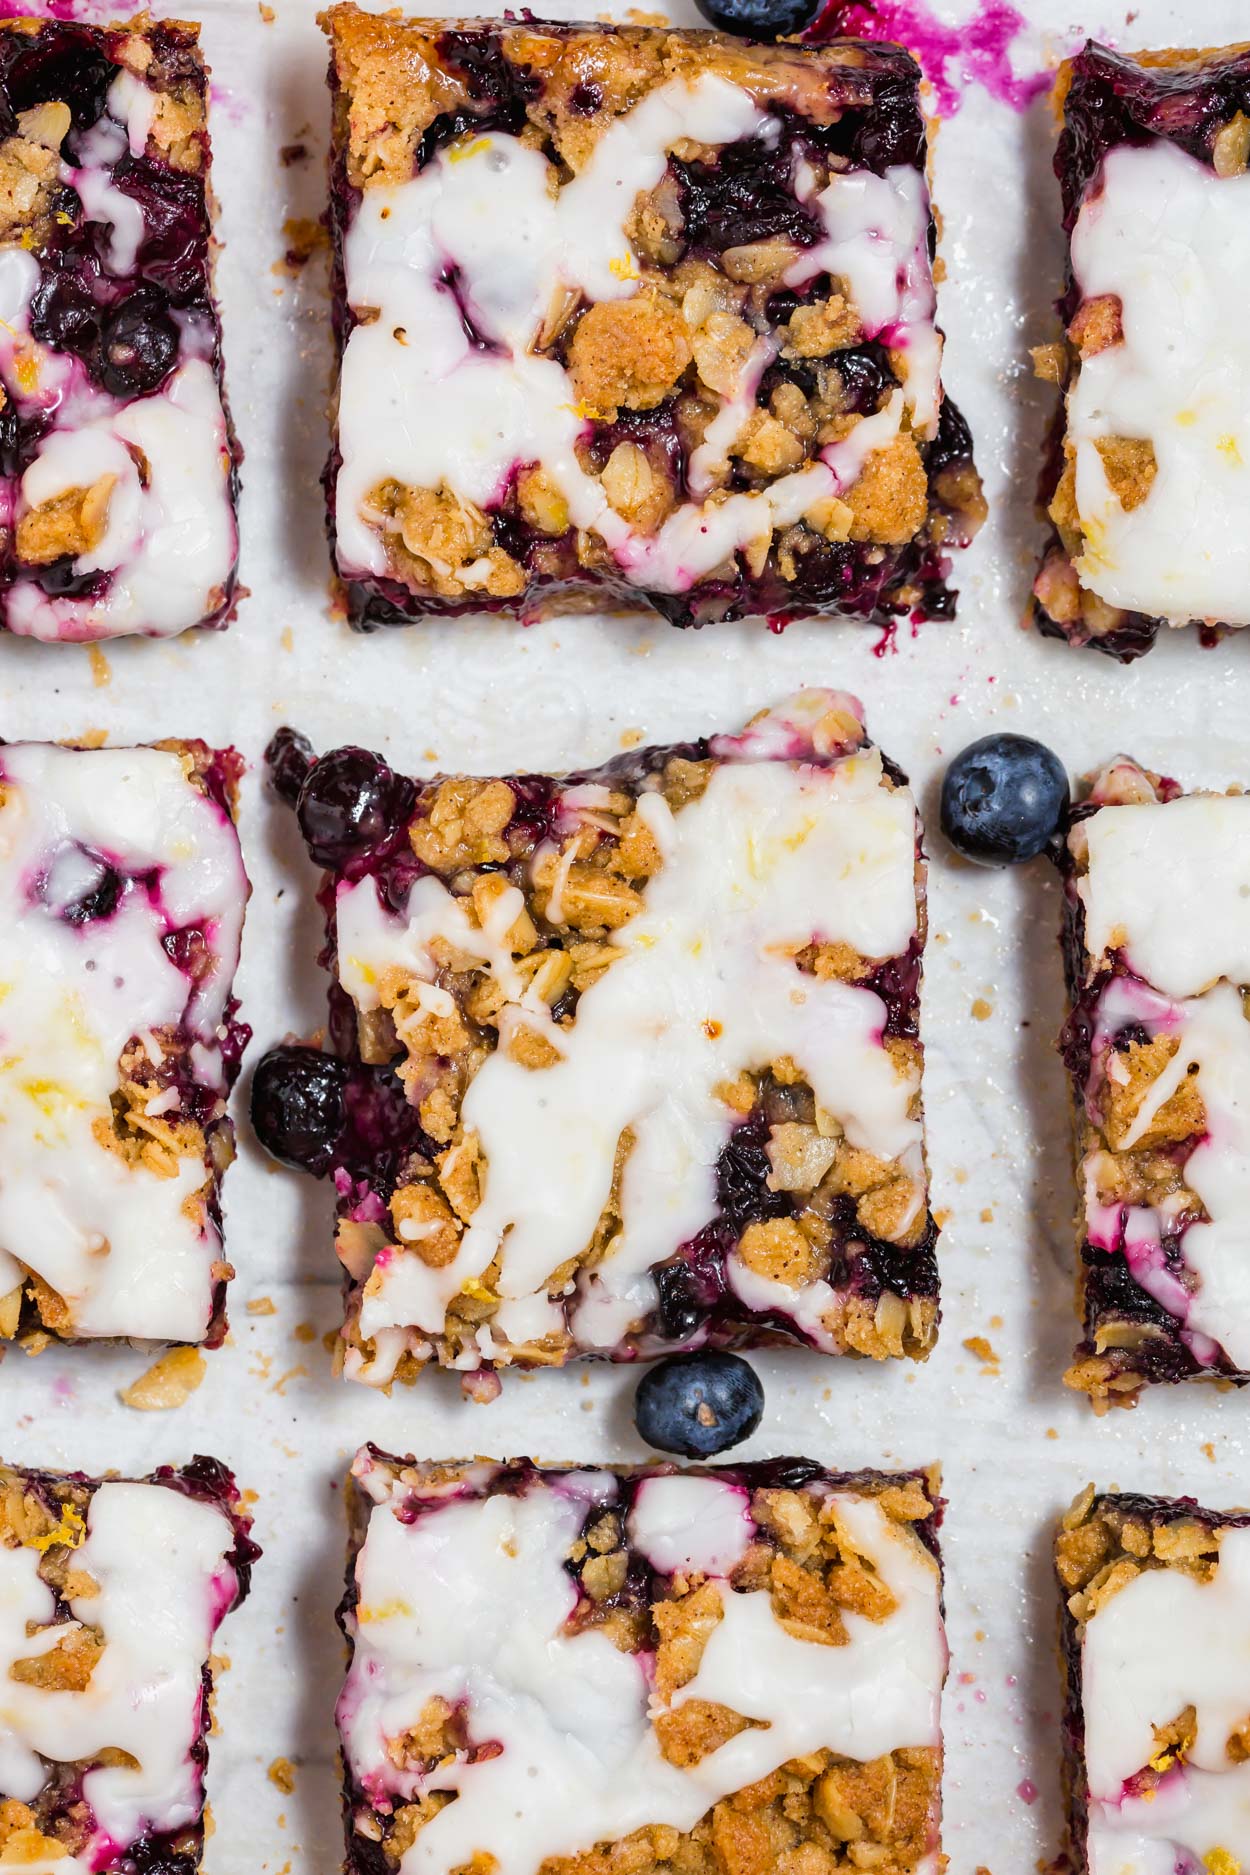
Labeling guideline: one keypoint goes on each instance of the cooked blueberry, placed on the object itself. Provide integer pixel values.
(744, 196)
(138, 347)
(1003, 800)
(698, 1404)
(288, 758)
(350, 801)
(759, 19)
(680, 1310)
(61, 578)
(297, 1105)
(63, 314)
(100, 901)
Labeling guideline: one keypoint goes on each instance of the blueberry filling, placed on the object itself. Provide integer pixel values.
(60, 578)
(745, 195)
(498, 91)
(60, 61)
(138, 346)
(99, 902)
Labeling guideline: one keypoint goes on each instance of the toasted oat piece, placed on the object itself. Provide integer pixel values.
(112, 1592)
(1157, 948)
(1144, 483)
(120, 464)
(737, 1669)
(1155, 1625)
(633, 1054)
(610, 328)
(122, 891)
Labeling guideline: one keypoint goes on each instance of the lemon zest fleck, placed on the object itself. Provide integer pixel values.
(623, 267)
(384, 1611)
(69, 1531)
(466, 150)
(50, 1096)
(1220, 1862)
(478, 1291)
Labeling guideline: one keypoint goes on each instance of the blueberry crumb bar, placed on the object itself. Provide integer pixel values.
(583, 1672)
(1158, 1047)
(1144, 482)
(111, 1591)
(122, 894)
(118, 465)
(635, 315)
(1155, 1628)
(630, 1059)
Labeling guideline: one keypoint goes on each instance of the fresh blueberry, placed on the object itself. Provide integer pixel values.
(298, 1105)
(350, 801)
(1003, 800)
(288, 758)
(138, 346)
(759, 19)
(698, 1404)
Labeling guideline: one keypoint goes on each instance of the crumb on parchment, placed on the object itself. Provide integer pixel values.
(168, 1383)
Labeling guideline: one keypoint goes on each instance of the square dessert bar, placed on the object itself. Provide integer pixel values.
(122, 892)
(1145, 482)
(118, 465)
(111, 1591)
(1158, 1047)
(632, 1056)
(728, 1672)
(635, 315)
(1156, 1631)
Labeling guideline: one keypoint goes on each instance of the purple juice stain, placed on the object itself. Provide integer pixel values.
(979, 48)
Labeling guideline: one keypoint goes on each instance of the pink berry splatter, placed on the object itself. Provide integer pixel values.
(1027, 1790)
(979, 50)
